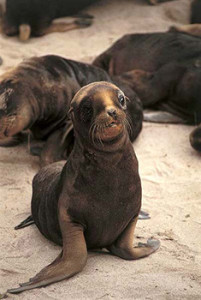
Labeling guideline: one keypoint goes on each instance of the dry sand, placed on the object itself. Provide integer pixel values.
(169, 168)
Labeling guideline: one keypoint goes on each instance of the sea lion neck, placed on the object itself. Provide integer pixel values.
(106, 155)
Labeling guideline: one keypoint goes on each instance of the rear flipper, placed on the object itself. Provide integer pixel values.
(192, 29)
(28, 221)
(63, 27)
(162, 117)
(195, 138)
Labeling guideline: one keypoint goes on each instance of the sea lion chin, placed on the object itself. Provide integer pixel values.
(93, 200)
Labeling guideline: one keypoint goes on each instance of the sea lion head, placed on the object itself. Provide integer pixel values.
(98, 112)
(15, 111)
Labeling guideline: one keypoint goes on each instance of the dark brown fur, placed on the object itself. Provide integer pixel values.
(36, 96)
(163, 68)
(155, 2)
(97, 193)
(196, 12)
(195, 138)
(34, 17)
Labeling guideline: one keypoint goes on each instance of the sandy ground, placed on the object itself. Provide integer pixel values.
(169, 168)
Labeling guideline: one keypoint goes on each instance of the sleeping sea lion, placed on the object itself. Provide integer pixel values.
(36, 95)
(97, 192)
(165, 71)
(34, 18)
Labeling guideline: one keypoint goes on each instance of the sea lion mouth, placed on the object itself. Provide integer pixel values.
(109, 131)
(112, 124)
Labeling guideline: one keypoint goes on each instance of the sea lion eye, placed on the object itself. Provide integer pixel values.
(122, 100)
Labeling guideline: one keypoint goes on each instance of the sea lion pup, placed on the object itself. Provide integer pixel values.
(100, 178)
(36, 95)
(34, 18)
(164, 70)
(195, 138)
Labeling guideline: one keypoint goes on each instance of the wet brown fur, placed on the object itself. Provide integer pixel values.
(164, 70)
(36, 95)
(34, 17)
(100, 178)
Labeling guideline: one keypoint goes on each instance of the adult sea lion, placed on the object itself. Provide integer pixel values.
(34, 17)
(165, 71)
(36, 95)
(97, 193)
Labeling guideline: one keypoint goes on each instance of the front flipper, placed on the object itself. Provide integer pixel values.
(162, 117)
(123, 246)
(58, 146)
(71, 260)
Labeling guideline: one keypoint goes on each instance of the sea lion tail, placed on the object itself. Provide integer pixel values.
(28, 221)
(24, 32)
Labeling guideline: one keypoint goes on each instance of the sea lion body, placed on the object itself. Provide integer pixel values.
(92, 208)
(36, 95)
(164, 70)
(38, 15)
(92, 200)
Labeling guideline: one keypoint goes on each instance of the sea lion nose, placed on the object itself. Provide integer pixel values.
(112, 112)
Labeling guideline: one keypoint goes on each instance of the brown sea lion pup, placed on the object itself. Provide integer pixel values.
(100, 178)
(36, 95)
(165, 71)
(195, 138)
(34, 18)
